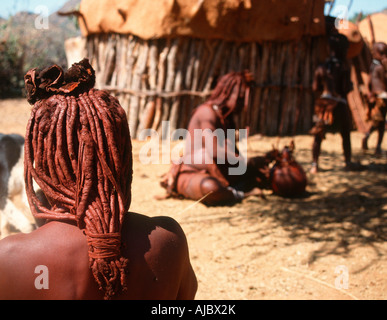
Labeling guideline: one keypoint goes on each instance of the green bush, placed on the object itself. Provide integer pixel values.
(23, 47)
(11, 66)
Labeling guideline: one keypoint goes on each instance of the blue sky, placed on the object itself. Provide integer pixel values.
(366, 6)
(8, 7)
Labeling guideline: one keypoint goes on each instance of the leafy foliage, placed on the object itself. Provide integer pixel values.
(23, 45)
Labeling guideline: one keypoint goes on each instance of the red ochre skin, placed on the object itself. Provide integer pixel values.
(202, 176)
(156, 248)
(78, 150)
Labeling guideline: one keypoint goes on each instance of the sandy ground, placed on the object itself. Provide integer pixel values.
(329, 244)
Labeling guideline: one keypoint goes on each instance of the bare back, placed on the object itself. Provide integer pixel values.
(378, 79)
(333, 78)
(159, 266)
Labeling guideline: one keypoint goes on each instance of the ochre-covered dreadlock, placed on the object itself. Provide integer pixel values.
(230, 88)
(78, 150)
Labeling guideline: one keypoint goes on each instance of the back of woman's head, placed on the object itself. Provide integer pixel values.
(232, 89)
(338, 45)
(379, 50)
(78, 150)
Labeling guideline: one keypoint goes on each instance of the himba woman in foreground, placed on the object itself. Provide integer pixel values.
(78, 150)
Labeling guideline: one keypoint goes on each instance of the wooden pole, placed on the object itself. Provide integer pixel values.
(263, 82)
(136, 85)
(160, 86)
(371, 30)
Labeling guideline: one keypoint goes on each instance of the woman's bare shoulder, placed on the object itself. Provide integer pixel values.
(136, 223)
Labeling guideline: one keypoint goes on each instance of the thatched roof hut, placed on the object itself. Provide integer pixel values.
(161, 58)
(232, 20)
(363, 35)
(377, 30)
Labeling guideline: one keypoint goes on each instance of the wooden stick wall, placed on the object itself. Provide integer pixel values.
(165, 79)
(357, 98)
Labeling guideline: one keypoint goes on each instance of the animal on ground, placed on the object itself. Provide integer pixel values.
(13, 217)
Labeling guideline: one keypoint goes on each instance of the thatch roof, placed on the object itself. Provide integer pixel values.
(379, 23)
(234, 20)
(356, 42)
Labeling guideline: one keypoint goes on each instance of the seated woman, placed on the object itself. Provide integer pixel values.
(205, 171)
